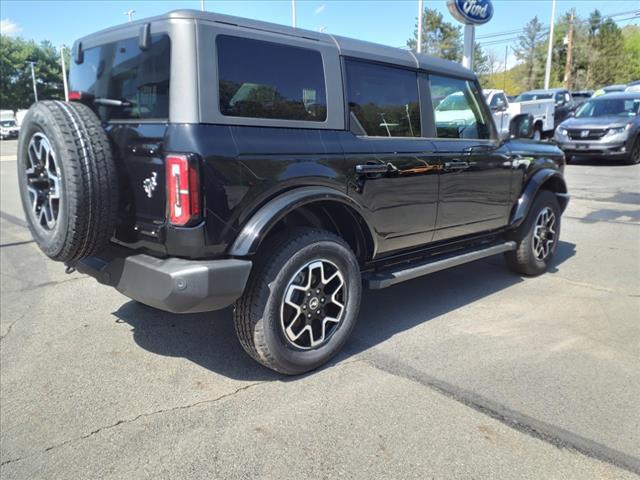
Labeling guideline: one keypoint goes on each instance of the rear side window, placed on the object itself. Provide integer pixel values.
(458, 111)
(268, 80)
(121, 71)
(384, 100)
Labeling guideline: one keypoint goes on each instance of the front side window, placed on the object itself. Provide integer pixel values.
(458, 112)
(269, 80)
(498, 101)
(121, 71)
(384, 100)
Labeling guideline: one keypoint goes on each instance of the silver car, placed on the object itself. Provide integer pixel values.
(606, 126)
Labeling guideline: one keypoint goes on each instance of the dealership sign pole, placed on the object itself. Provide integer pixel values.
(470, 13)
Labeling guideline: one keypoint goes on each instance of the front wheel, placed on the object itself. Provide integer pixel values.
(634, 156)
(301, 301)
(537, 238)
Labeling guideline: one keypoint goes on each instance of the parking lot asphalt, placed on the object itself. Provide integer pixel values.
(473, 372)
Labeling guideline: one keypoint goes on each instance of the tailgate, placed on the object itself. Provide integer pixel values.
(139, 153)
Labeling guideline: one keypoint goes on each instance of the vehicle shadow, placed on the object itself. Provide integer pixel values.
(598, 162)
(208, 339)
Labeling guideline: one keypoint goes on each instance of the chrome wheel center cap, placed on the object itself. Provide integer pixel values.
(314, 303)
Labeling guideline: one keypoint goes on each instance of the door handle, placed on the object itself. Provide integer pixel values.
(367, 168)
(456, 165)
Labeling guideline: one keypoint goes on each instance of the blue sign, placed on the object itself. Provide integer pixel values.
(471, 12)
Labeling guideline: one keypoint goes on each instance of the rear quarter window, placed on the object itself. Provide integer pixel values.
(258, 79)
(121, 71)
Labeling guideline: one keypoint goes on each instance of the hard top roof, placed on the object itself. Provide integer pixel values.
(548, 90)
(346, 46)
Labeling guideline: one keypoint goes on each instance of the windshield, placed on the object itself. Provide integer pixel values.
(609, 107)
(524, 97)
(7, 123)
(454, 102)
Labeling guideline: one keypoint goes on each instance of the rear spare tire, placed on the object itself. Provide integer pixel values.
(68, 180)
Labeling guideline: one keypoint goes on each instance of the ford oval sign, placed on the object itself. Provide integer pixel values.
(471, 12)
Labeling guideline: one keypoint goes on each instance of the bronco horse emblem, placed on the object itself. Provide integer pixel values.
(150, 184)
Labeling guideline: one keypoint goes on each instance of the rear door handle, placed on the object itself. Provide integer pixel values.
(456, 165)
(365, 169)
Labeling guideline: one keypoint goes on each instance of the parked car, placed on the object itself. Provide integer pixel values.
(581, 96)
(8, 129)
(561, 96)
(222, 161)
(504, 110)
(606, 127)
(610, 89)
(633, 86)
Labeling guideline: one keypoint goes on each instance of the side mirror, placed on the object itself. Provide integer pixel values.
(521, 126)
(572, 114)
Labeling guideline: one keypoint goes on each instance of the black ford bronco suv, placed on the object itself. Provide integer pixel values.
(205, 161)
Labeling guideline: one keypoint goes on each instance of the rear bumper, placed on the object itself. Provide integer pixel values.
(171, 284)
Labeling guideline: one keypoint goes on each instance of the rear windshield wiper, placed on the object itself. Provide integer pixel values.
(112, 102)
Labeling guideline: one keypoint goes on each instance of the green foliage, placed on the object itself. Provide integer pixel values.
(528, 50)
(439, 38)
(16, 89)
(631, 34)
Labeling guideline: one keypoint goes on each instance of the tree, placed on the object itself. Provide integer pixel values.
(16, 90)
(481, 62)
(439, 38)
(631, 35)
(609, 63)
(528, 49)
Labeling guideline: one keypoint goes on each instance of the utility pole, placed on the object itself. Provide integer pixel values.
(293, 13)
(547, 71)
(64, 75)
(468, 46)
(569, 65)
(129, 13)
(33, 79)
(202, 5)
(420, 19)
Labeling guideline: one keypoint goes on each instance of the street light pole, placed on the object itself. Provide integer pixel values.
(419, 49)
(64, 75)
(129, 13)
(547, 71)
(293, 13)
(33, 79)
(202, 5)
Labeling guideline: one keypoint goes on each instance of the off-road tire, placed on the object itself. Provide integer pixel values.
(523, 259)
(88, 208)
(257, 312)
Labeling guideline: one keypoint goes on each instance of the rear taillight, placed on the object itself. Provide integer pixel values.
(183, 188)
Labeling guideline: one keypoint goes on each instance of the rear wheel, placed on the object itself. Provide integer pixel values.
(301, 302)
(537, 238)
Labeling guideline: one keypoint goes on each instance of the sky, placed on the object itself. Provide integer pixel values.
(390, 22)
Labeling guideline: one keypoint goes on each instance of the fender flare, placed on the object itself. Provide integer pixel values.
(259, 224)
(535, 183)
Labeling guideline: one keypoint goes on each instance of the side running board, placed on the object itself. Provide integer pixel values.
(387, 278)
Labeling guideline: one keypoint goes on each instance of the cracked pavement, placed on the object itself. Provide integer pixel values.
(468, 373)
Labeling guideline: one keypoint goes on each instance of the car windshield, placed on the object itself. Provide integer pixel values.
(524, 97)
(8, 123)
(453, 102)
(609, 107)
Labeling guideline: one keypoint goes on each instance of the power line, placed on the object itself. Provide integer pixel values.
(546, 31)
(636, 14)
